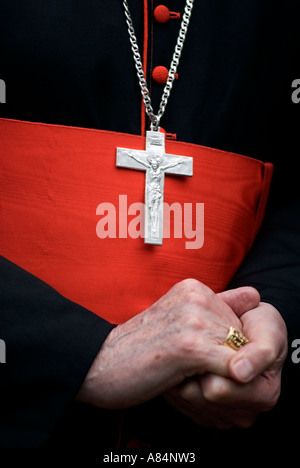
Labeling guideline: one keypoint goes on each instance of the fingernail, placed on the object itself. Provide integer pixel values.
(243, 370)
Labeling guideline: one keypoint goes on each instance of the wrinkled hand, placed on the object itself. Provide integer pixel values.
(179, 336)
(255, 371)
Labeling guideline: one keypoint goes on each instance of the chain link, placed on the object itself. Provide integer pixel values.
(155, 119)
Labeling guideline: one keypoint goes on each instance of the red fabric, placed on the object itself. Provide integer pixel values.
(53, 178)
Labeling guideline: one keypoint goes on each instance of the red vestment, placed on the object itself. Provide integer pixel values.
(52, 180)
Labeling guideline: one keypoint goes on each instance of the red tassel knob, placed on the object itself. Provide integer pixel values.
(162, 14)
(160, 74)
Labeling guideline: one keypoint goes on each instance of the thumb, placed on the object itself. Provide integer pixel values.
(251, 362)
(241, 300)
(267, 349)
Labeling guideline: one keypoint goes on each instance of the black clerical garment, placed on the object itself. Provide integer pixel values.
(69, 62)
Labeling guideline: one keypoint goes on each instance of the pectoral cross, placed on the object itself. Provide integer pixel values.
(156, 163)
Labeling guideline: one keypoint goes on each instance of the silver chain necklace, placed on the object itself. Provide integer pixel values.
(155, 118)
(154, 160)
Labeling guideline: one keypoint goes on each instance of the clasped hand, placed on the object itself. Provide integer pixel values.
(175, 349)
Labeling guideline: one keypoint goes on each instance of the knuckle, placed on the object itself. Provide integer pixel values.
(186, 343)
(244, 293)
(214, 390)
(192, 284)
(192, 320)
(190, 392)
(187, 348)
(193, 293)
(187, 284)
(203, 301)
(198, 300)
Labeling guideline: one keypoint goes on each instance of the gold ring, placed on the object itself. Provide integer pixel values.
(235, 339)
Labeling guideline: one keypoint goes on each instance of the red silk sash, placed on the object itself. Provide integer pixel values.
(52, 179)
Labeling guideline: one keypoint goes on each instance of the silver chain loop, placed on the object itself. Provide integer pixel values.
(155, 119)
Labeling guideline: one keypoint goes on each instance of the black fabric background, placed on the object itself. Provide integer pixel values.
(69, 62)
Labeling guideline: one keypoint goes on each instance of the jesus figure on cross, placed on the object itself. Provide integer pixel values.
(153, 163)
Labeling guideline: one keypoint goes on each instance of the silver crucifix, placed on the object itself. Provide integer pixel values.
(156, 163)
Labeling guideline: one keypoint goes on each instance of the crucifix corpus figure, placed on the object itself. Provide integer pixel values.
(156, 163)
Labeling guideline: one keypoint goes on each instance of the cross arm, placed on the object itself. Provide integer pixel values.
(131, 159)
(180, 165)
